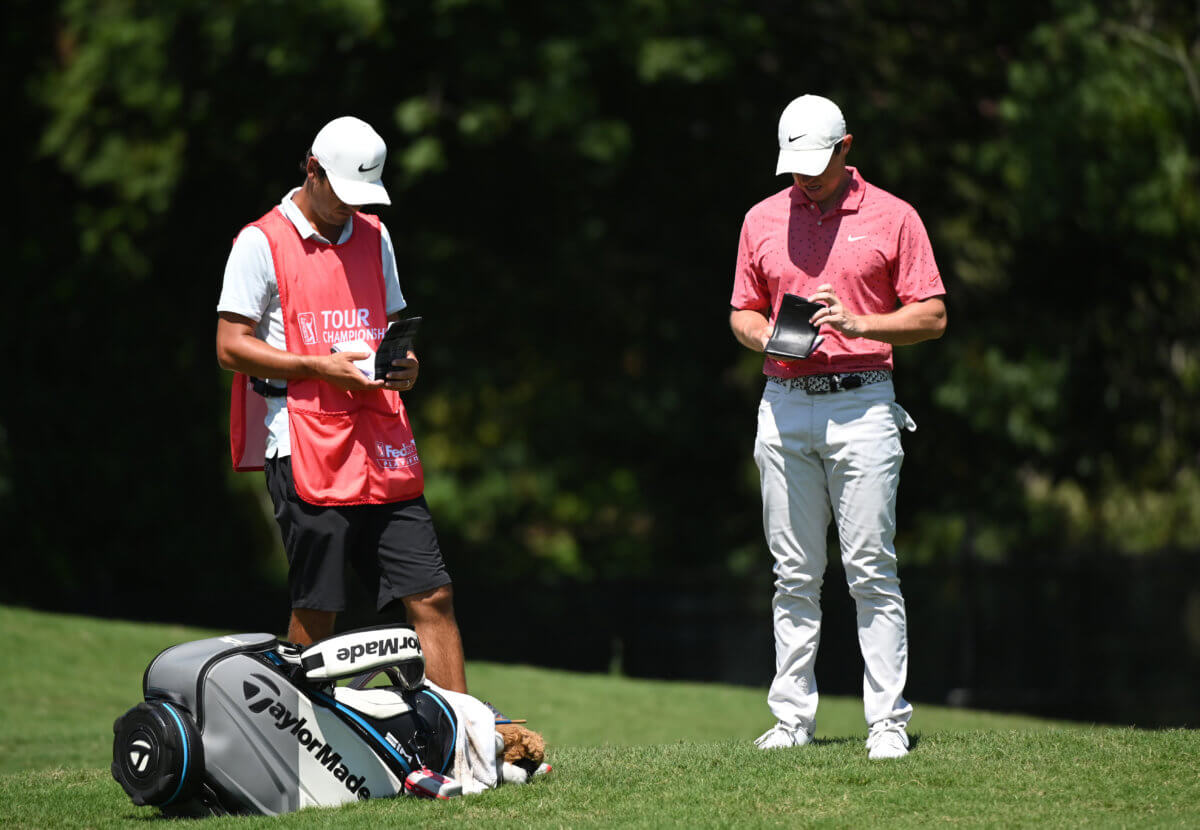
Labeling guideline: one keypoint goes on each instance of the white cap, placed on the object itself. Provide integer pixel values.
(352, 154)
(808, 129)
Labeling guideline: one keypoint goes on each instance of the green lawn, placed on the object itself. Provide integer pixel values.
(625, 752)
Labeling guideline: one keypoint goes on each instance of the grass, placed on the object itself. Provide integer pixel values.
(626, 753)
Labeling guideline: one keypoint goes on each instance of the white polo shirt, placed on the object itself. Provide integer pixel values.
(251, 289)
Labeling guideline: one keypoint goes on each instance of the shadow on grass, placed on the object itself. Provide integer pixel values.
(833, 741)
(913, 741)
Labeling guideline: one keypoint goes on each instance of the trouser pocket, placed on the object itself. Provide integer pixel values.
(904, 421)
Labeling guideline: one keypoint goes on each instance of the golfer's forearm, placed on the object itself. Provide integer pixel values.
(749, 327)
(914, 323)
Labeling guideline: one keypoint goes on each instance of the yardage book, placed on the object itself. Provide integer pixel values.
(794, 337)
(396, 342)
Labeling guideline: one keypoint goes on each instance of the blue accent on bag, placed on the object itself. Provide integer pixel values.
(454, 723)
(350, 713)
(183, 735)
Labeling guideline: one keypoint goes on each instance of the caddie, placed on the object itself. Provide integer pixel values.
(828, 442)
(341, 463)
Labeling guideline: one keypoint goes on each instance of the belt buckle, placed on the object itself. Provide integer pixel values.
(841, 382)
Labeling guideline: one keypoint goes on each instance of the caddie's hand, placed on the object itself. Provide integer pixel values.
(835, 313)
(339, 370)
(403, 375)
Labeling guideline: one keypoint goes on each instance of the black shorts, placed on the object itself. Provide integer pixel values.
(392, 547)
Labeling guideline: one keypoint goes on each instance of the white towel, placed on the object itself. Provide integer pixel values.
(475, 746)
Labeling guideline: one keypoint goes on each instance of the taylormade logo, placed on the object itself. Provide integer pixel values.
(139, 756)
(326, 755)
(379, 648)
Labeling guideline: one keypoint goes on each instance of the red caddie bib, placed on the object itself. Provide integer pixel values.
(347, 447)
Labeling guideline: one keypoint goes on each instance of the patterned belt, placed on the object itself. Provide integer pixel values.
(823, 384)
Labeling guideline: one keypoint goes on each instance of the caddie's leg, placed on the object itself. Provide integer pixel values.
(431, 613)
(795, 520)
(863, 465)
(307, 625)
(403, 559)
(315, 539)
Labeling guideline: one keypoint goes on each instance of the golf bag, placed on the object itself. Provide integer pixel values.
(248, 724)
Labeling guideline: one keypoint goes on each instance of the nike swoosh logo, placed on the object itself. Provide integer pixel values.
(856, 238)
(362, 169)
(794, 137)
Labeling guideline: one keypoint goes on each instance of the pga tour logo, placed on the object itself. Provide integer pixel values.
(337, 325)
(308, 327)
(394, 458)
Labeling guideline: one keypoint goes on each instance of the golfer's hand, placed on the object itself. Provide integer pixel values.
(770, 330)
(835, 314)
(764, 337)
(767, 333)
(339, 370)
(403, 374)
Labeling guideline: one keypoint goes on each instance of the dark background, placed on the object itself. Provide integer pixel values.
(568, 184)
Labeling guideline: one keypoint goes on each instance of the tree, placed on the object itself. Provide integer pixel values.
(1083, 388)
(570, 180)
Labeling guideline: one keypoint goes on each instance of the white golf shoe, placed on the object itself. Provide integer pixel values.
(780, 736)
(887, 740)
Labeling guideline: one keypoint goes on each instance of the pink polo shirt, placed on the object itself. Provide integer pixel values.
(872, 248)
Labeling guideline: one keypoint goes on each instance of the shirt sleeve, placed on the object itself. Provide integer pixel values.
(391, 279)
(249, 282)
(750, 290)
(916, 277)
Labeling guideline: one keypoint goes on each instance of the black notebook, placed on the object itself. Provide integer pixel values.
(396, 342)
(794, 337)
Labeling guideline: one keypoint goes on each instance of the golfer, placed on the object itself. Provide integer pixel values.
(310, 276)
(828, 442)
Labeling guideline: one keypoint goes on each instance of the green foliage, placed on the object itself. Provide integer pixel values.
(687, 59)
(1017, 399)
(1097, 174)
(568, 182)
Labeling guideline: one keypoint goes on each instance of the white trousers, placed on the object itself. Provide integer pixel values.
(838, 456)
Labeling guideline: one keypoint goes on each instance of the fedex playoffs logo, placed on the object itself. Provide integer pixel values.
(395, 458)
(334, 325)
